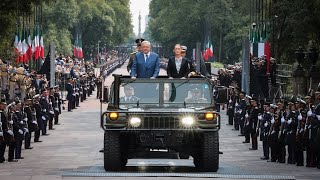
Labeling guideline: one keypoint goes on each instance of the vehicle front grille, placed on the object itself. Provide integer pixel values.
(160, 123)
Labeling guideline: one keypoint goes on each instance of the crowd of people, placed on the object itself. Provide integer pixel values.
(260, 74)
(31, 105)
(286, 128)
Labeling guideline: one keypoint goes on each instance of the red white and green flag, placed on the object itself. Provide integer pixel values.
(17, 46)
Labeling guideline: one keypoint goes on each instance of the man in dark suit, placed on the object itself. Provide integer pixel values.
(179, 66)
(146, 64)
(38, 83)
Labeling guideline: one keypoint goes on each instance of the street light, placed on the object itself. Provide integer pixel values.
(313, 56)
(300, 56)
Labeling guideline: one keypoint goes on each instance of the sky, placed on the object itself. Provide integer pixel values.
(135, 7)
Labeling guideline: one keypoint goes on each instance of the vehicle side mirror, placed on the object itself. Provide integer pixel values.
(106, 94)
(221, 95)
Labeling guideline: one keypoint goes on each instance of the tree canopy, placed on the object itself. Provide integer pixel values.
(104, 21)
(291, 23)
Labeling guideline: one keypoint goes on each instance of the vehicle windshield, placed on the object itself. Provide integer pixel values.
(191, 94)
(165, 94)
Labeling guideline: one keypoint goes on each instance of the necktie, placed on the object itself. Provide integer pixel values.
(147, 59)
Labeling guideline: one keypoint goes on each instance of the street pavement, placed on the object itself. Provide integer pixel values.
(74, 147)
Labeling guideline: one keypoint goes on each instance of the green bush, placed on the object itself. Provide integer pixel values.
(217, 65)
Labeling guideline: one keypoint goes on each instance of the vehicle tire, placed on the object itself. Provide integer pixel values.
(112, 151)
(183, 156)
(208, 159)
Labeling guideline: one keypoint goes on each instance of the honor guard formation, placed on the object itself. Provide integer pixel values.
(30, 105)
(289, 128)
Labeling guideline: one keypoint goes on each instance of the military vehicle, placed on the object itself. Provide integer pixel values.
(174, 115)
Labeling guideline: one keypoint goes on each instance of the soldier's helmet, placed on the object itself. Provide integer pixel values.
(139, 41)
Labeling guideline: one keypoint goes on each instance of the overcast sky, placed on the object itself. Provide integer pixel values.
(135, 7)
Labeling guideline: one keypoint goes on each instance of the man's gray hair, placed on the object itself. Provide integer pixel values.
(146, 42)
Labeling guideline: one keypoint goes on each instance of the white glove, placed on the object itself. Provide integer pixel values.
(152, 78)
(283, 120)
(265, 124)
(300, 117)
(1, 134)
(44, 110)
(11, 122)
(34, 113)
(260, 117)
(10, 132)
(21, 122)
(230, 101)
(246, 115)
(133, 77)
(25, 119)
(50, 103)
(309, 113)
(290, 120)
(237, 104)
(57, 109)
(51, 112)
(43, 118)
(34, 122)
(20, 131)
(240, 111)
(0, 123)
(318, 116)
(26, 130)
(301, 130)
(272, 120)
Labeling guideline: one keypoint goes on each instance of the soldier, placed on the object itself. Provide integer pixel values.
(129, 97)
(99, 87)
(196, 96)
(264, 122)
(246, 123)
(316, 116)
(273, 133)
(133, 54)
(253, 123)
(291, 130)
(38, 114)
(281, 135)
(29, 118)
(57, 106)
(18, 129)
(52, 104)
(309, 134)
(301, 112)
(44, 101)
(242, 112)
(231, 105)
(7, 131)
(69, 89)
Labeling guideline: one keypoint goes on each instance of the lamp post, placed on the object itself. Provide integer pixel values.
(300, 56)
(313, 55)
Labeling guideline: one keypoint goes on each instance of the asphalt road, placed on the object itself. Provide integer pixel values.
(72, 150)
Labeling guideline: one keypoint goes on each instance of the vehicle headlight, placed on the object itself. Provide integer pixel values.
(135, 121)
(113, 116)
(187, 121)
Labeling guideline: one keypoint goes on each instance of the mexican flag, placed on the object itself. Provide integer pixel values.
(41, 46)
(207, 53)
(260, 49)
(24, 46)
(36, 43)
(75, 48)
(17, 46)
(29, 52)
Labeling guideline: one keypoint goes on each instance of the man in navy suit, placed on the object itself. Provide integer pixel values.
(146, 64)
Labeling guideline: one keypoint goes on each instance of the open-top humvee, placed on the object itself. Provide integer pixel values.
(177, 115)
